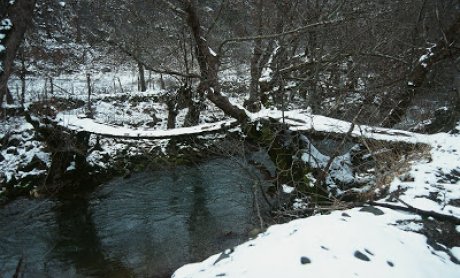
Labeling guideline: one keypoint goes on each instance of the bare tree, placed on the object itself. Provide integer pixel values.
(447, 47)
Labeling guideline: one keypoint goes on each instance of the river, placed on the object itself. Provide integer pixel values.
(144, 226)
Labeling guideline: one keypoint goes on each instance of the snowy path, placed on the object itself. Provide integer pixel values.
(362, 242)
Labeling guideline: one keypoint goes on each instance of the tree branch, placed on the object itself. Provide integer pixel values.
(148, 67)
(421, 212)
(298, 30)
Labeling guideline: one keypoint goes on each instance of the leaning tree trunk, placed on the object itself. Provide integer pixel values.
(447, 47)
(208, 61)
(20, 14)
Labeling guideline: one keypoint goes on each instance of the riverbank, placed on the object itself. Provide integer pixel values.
(414, 230)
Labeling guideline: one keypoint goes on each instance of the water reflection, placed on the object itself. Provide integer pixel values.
(145, 226)
(78, 245)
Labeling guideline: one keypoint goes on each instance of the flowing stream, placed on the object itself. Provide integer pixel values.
(144, 226)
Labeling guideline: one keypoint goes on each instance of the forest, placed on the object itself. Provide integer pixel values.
(138, 138)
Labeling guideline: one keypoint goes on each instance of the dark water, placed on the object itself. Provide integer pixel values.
(145, 226)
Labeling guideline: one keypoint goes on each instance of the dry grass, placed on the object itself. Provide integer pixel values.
(392, 160)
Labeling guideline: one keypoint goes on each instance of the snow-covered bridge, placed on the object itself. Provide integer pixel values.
(297, 120)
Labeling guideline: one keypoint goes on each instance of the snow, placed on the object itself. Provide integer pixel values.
(456, 252)
(17, 157)
(6, 24)
(438, 176)
(74, 122)
(212, 52)
(349, 243)
(299, 120)
(287, 189)
(267, 72)
(423, 60)
(303, 120)
(340, 168)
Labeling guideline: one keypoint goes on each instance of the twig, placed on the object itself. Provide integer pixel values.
(421, 212)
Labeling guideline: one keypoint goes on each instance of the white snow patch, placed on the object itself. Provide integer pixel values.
(212, 52)
(287, 189)
(456, 252)
(343, 244)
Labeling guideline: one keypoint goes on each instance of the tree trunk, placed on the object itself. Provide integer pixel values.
(208, 62)
(23, 79)
(446, 47)
(89, 112)
(142, 86)
(253, 103)
(172, 113)
(20, 13)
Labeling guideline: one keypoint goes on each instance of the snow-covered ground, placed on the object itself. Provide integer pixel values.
(366, 241)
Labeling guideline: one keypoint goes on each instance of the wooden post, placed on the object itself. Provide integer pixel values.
(89, 113)
(51, 86)
(121, 87)
(45, 90)
(162, 82)
(141, 85)
(23, 78)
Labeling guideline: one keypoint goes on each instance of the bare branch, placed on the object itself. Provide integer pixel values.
(298, 30)
(148, 67)
(218, 16)
(381, 55)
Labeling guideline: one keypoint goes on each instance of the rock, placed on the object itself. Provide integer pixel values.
(390, 263)
(14, 142)
(361, 256)
(12, 150)
(27, 134)
(1, 157)
(35, 163)
(305, 260)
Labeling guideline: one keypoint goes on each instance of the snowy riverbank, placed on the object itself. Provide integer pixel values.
(363, 242)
